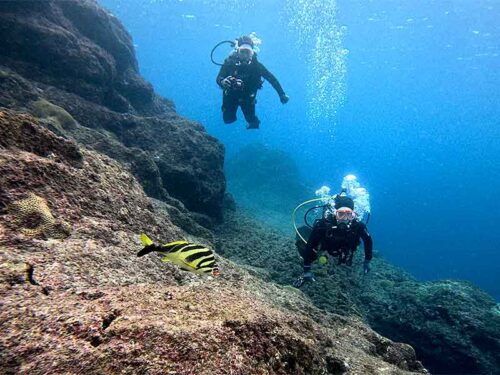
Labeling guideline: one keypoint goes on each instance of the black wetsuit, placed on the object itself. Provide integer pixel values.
(337, 240)
(251, 75)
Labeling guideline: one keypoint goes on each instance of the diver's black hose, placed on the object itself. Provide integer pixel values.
(368, 218)
(217, 46)
(307, 213)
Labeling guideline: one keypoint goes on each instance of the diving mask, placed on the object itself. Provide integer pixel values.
(245, 53)
(345, 214)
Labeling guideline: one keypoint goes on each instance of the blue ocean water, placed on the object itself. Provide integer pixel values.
(403, 94)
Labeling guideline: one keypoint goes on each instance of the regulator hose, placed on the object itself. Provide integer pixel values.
(295, 212)
(307, 213)
(309, 210)
(368, 216)
(233, 44)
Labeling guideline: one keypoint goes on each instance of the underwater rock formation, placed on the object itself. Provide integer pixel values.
(87, 304)
(273, 186)
(73, 64)
(80, 300)
(453, 326)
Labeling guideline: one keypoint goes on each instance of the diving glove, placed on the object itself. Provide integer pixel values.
(284, 98)
(366, 266)
(227, 82)
(306, 277)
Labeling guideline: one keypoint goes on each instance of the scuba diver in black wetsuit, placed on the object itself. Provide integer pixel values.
(339, 234)
(240, 77)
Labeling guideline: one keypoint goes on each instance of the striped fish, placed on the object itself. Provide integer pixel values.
(186, 255)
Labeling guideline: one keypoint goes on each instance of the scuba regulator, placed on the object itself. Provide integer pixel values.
(327, 210)
(245, 45)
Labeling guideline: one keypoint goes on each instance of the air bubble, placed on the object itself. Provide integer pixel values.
(321, 39)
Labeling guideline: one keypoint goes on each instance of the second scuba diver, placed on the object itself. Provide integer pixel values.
(338, 234)
(240, 77)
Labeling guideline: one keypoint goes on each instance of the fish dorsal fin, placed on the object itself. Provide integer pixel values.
(170, 245)
(146, 241)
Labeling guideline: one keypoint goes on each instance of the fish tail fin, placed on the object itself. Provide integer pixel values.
(148, 245)
(145, 240)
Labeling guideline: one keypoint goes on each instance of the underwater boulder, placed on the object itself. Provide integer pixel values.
(73, 45)
(67, 61)
(452, 324)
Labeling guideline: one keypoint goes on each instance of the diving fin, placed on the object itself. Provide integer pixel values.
(253, 125)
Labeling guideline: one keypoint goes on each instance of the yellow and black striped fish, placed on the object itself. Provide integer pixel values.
(188, 256)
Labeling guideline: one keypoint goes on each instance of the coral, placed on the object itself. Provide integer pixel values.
(56, 115)
(451, 323)
(35, 216)
(195, 329)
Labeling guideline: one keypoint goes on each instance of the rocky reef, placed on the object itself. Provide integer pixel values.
(82, 302)
(272, 189)
(90, 157)
(453, 326)
(73, 65)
